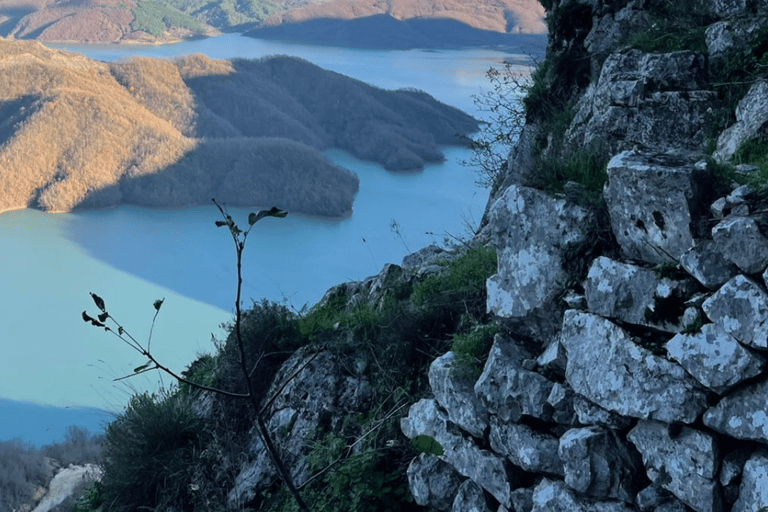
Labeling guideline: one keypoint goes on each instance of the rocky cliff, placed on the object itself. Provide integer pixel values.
(629, 373)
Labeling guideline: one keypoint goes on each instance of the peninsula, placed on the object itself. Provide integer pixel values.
(78, 133)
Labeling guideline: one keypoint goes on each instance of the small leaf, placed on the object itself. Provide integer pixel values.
(98, 301)
(120, 330)
(220, 223)
(93, 321)
(141, 368)
(103, 317)
(253, 218)
(158, 303)
(427, 444)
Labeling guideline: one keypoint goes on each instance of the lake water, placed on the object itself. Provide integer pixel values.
(133, 256)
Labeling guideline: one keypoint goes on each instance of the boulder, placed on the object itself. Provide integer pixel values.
(658, 499)
(589, 413)
(753, 493)
(751, 121)
(554, 495)
(532, 232)
(470, 498)
(599, 464)
(562, 399)
(655, 226)
(528, 449)
(484, 467)
(456, 395)
(433, 482)
(507, 389)
(635, 295)
(742, 414)
(706, 262)
(316, 400)
(742, 243)
(522, 500)
(606, 367)
(725, 36)
(650, 100)
(714, 358)
(685, 464)
(740, 308)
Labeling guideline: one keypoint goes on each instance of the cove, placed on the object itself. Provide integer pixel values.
(133, 256)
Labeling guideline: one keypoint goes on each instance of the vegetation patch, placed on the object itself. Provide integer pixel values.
(673, 26)
(156, 18)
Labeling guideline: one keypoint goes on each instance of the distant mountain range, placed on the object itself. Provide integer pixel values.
(78, 133)
(39, 425)
(430, 22)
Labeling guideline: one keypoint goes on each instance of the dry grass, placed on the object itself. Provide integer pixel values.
(76, 132)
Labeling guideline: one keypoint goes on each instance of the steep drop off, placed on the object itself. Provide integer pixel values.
(80, 133)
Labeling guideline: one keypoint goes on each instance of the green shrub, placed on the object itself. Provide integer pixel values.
(151, 454)
(586, 166)
(471, 350)
(672, 26)
(369, 480)
(460, 285)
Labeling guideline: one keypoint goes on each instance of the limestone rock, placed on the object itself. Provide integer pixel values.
(551, 496)
(651, 100)
(531, 232)
(433, 482)
(553, 358)
(654, 227)
(740, 307)
(456, 395)
(706, 262)
(533, 451)
(742, 243)
(522, 500)
(608, 369)
(507, 389)
(732, 465)
(597, 463)
(742, 414)
(562, 399)
(658, 499)
(319, 394)
(714, 358)
(753, 493)
(485, 468)
(589, 413)
(470, 498)
(725, 36)
(629, 293)
(685, 464)
(751, 121)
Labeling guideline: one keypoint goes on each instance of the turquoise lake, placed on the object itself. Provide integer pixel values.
(132, 256)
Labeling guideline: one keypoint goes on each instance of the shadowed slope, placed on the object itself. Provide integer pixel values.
(81, 133)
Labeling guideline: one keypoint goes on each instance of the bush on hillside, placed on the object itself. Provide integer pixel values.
(154, 453)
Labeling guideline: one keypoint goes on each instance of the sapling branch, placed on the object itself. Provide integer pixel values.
(238, 237)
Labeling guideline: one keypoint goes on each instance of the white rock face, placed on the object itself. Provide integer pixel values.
(655, 226)
(531, 232)
(753, 493)
(742, 414)
(65, 483)
(740, 308)
(715, 358)
(456, 395)
(606, 367)
(686, 464)
(751, 117)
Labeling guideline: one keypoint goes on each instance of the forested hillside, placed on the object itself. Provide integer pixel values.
(163, 20)
(176, 133)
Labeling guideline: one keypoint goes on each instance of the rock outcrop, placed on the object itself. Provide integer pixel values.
(641, 383)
